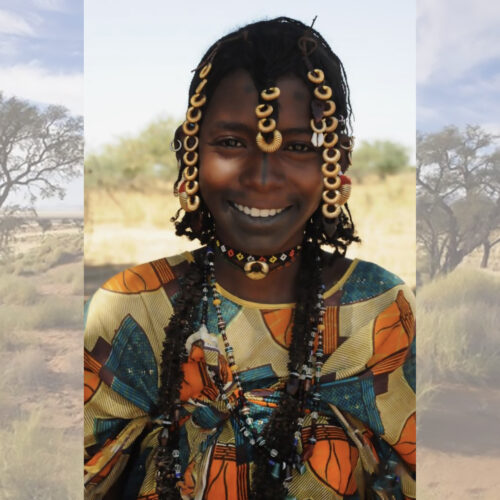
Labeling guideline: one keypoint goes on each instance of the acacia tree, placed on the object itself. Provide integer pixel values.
(458, 195)
(40, 148)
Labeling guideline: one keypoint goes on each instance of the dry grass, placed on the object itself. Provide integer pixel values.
(458, 324)
(384, 213)
(133, 227)
(38, 462)
(40, 389)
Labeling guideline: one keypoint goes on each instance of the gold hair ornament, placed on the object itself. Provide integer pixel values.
(330, 144)
(331, 183)
(267, 125)
(201, 86)
(330, 110)
(190, 176)
(324, 92)
(197, 115)
(263, 110)
(271, 147)
(189, 186)
(331, 159)
(270, 94)
(192, 187)
(316, 76)
(190, 129)
(192, 147)
(190, 162)
(198, 100)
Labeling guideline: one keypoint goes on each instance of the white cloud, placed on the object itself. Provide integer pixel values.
(12, 24)
(454, 36)
(33, 82)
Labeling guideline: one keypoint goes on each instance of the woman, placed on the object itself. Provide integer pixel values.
(259, 366)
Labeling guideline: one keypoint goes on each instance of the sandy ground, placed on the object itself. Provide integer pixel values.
(450, 475)
(459, 444)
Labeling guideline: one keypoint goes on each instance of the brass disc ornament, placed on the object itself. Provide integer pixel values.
(256, 270)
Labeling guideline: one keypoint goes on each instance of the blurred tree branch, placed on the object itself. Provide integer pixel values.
(458, 195)
(39, 148)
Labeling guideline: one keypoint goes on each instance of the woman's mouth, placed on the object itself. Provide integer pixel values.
(258, 212)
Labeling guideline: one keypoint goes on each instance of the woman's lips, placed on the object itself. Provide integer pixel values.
(258, 212)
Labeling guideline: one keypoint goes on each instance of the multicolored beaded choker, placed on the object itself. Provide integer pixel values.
(257, 267)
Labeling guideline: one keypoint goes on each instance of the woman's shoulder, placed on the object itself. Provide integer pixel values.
(137, 299)
(149, 276)
(359, 280)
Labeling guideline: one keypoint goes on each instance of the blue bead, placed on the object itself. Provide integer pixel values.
(276, 471)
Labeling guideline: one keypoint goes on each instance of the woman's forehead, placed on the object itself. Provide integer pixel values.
(236, 94)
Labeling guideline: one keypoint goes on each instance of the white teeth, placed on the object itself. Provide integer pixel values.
(258, 212)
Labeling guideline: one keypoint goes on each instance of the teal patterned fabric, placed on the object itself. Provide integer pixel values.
(367, 281)
(133, 365)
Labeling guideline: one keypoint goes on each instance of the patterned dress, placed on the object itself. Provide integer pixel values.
(369, 374)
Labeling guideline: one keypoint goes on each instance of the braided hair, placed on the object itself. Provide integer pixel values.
(266, 50)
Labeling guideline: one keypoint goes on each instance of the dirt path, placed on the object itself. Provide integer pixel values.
(459, 444)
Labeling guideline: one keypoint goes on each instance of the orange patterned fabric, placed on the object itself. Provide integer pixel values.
(368, 375)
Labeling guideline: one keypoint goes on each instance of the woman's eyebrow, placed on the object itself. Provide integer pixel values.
(242, 127)
(234, 126)
(296, 130)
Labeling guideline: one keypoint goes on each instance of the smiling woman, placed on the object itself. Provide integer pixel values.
(260, 365)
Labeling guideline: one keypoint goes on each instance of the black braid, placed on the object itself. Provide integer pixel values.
(181, 325)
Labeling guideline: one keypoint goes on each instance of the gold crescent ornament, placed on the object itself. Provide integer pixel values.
(325, 209)
(256, 270)
(271, 147)
(190, 176)
(270, 93)
(194, 147)
(205, 70)
(316, 76)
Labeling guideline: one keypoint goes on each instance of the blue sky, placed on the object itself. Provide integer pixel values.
(458, 64)
(138, 61)
(41, 59)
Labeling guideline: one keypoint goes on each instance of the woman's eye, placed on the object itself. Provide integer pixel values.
(300, 147)
(230, 142)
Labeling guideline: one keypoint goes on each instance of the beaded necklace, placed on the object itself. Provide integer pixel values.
(299, 385)
(258, 267)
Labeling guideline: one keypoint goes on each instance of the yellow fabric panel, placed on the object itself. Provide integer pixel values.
(253, 344)
(396, 405)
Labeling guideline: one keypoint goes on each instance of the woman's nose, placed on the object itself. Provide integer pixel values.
(263, 171)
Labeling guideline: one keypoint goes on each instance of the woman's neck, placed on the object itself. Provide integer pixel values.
(278, 287)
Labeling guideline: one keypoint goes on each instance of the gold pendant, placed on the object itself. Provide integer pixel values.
(256, 270)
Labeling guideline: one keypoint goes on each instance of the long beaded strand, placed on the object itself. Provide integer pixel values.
(241, 410)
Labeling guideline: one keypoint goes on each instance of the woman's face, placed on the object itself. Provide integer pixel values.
(242, 186)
